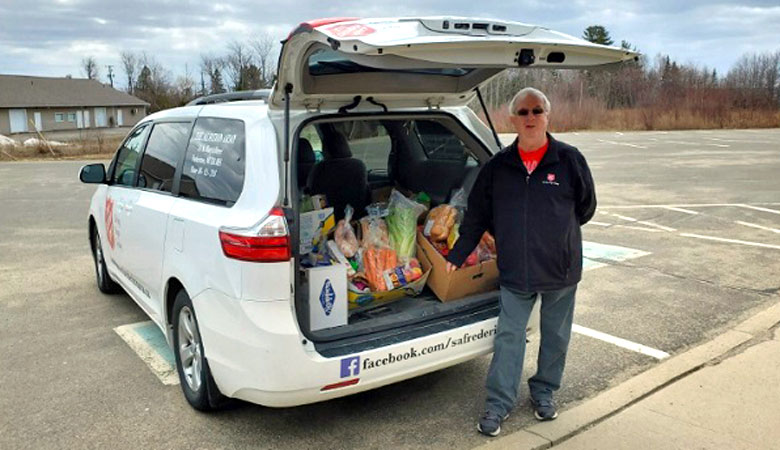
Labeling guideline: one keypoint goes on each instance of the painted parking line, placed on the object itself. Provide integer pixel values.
(756, 208)
(626, 218)
(148, 342)
(655, 225)
(643, 222)
(760, 227)
(627, 144)
(620, 342)
(730, 241)
(682, 210)
(650, 230)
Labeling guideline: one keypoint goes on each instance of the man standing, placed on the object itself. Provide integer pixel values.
(533, 196)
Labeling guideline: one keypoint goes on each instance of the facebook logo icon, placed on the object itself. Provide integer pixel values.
(350, 367)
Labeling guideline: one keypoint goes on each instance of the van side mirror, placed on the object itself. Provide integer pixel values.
(93, 173)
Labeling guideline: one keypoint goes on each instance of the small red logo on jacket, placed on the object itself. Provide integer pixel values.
(550, 177)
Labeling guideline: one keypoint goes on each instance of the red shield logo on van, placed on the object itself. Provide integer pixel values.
(351, 30)
(550, 177)
(109, 218)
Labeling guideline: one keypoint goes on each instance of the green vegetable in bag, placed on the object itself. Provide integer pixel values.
(402, 224)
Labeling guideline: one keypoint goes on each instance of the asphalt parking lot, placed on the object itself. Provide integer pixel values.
(702, 208)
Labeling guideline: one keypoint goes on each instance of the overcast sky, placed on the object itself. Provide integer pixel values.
(51, 37)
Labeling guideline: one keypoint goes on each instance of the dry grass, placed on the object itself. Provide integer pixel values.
(95, 146)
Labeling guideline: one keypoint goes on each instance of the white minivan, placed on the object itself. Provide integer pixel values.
(197, 217)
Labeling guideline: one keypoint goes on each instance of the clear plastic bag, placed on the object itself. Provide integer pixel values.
(440, 221)
(487, 247)
(402, 224)
(459, 199)
(345, 236)
(376, 260)
(374, 228)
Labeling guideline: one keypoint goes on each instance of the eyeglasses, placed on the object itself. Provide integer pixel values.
(536, 111)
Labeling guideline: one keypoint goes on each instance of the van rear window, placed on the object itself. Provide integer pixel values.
(331, 62)
(214, 163)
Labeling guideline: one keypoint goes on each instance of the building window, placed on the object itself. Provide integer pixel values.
(59, 117)
(71, 117)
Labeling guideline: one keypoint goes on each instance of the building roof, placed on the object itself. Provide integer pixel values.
(21, 91)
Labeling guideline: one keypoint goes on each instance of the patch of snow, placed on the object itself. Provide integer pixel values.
(5, 141)
(35, 142)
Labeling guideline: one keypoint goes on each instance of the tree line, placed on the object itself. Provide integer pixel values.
(657, 93)
(651, 93)
(244, 65)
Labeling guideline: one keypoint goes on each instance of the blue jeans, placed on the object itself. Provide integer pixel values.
(557, 313)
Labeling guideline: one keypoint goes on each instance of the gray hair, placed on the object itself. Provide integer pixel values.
(523, 93)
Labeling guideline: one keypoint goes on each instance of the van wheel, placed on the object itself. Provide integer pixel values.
(198, 386)
(104, 281)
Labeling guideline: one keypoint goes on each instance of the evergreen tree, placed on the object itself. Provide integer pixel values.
(144, 82)
(253, 78)
(217, 87)
(598, 35)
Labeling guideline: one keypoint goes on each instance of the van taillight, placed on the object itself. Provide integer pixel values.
(269, 242)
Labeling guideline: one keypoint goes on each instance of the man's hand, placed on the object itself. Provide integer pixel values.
(451, 267)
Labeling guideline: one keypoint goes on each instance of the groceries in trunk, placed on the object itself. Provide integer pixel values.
(392, 252)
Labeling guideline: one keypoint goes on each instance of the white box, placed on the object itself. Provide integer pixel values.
(327, 296)
(312, 223)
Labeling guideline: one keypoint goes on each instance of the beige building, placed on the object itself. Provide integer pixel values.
(30, 103)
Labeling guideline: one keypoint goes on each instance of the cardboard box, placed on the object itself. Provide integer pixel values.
(327, 296)
(367, 299)
(313, 224)
(465, 281)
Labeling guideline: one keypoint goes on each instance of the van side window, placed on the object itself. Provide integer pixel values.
(164, 150)
(214, 162)
(309, 133)
(369, 142)
(438, 142)
(127, 157)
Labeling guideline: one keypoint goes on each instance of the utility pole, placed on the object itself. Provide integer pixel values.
(111, 74)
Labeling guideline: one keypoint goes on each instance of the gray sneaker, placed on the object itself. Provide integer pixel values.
(490, 423)
(544, 409)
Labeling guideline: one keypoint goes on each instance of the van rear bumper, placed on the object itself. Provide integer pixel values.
(256, 353)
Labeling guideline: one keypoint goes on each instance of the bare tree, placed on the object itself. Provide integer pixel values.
(757, 76)
(238, 60)
(130, 65)
(90, 67)
(264, 47)
(153, 84)
(211, 70)
(183, 88)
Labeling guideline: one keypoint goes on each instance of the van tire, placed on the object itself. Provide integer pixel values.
(195, 378)
(104, 281)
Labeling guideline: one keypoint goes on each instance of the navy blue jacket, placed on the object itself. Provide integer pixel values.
(535, 218)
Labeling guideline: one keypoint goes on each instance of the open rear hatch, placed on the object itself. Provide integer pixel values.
(418, 61)
(425, 63)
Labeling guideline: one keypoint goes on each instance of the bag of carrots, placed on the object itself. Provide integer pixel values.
(376, 260)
